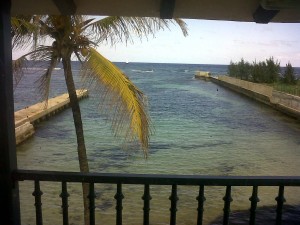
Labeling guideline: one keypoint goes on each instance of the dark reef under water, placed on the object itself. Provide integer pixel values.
(264, 216)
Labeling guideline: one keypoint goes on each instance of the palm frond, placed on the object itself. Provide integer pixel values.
(43, 83)
(182, 25)
(46, 55)
(18, 67)
(115, 29)
(41, 53)
(22, 30)
(47, 62)
(120, 95)
(39, 36)
(27, 31)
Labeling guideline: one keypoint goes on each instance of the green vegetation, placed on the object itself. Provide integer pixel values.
(293, 89)
(259, 72)
(289, 75)
(266, 72)
(240, 70)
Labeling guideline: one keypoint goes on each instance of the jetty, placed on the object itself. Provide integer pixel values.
(283, 102)
(203, 75)
(26, 118)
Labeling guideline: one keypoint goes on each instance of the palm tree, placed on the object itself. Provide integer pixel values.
(79, 36)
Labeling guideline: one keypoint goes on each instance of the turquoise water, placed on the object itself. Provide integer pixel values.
(199, 128)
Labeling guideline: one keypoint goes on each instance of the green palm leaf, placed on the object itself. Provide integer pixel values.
(122, 29)
(127, 101)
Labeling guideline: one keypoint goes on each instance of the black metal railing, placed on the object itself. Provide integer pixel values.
(145, 179)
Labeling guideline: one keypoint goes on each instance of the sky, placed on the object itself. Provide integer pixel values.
(212, 42)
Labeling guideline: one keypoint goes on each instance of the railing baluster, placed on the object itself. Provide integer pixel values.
(227, 200)
(146, 197)
(91, 197)
(64, 199)
(201, 199)
(280, 200)
(38, 202)
(254, 200)
(119, 197)
(173, 209)
(138, 179)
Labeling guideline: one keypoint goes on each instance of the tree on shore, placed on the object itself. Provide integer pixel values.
(272, 70)
(240, 70)
(289, 75)
(259, 72)
(79, 36)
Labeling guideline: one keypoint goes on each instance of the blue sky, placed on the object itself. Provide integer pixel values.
(214, 42)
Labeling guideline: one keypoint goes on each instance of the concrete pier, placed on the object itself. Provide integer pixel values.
(286, 103)
(203, 75)
(26, 118)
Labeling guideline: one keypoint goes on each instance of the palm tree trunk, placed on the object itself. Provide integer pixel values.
(81, 149)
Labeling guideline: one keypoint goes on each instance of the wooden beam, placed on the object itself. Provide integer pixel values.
(9, 192)
(262, 15)
(66, 7)
(167, 9)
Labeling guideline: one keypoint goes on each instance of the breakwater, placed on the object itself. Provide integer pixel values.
(255, 91)
(283, 102)
(26, 118)
(289, 104)
(203, 75)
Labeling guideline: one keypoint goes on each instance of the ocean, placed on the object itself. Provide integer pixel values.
(198, 128)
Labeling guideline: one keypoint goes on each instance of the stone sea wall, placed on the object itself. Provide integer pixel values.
(289, 104)
(26, 118)
(286, 103)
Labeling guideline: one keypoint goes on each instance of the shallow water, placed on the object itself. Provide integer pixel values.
(199, 128)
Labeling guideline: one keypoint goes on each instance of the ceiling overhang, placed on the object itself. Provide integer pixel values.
(230, 10)
(66, 6)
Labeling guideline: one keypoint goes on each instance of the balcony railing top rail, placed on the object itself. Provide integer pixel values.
(156, 179)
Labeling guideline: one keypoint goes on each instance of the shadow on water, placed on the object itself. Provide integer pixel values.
(264, 216)
(105, 205)
(156, 146)
(206, 144)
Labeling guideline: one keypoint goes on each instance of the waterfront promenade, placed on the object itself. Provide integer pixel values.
(26, 118)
